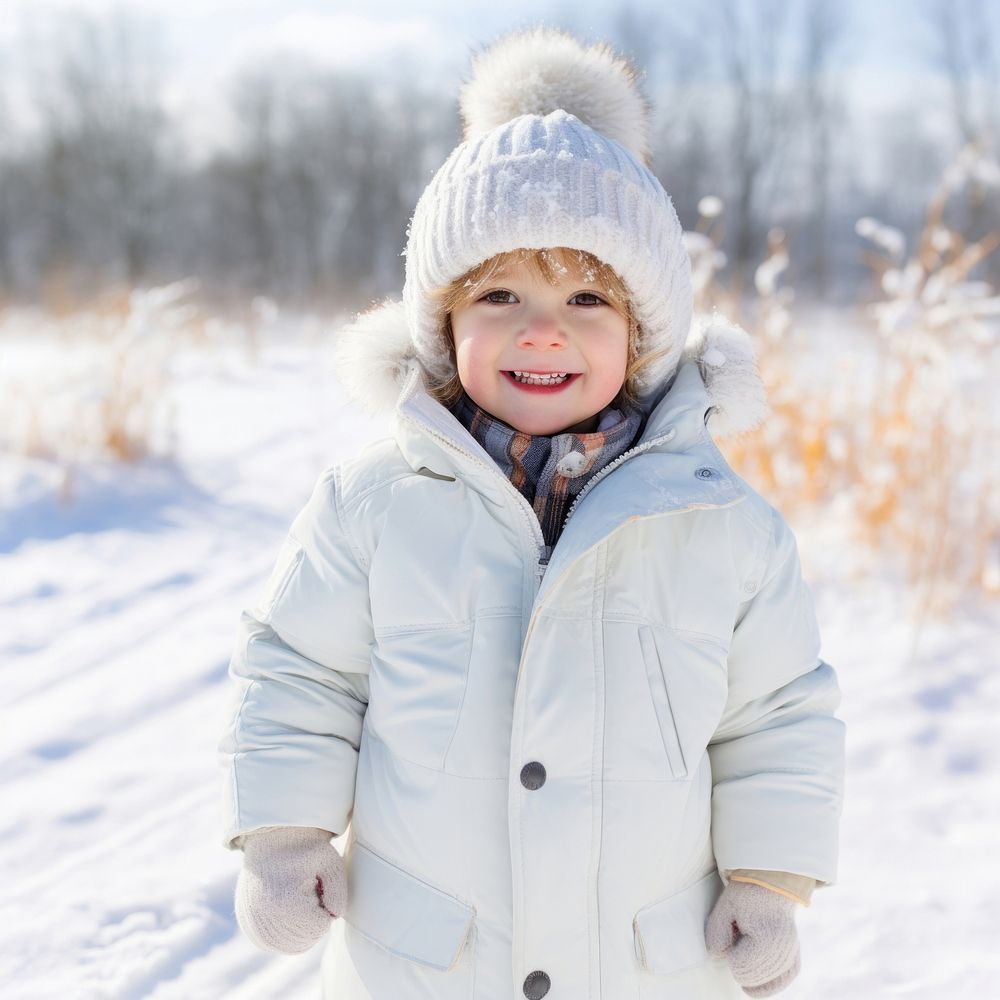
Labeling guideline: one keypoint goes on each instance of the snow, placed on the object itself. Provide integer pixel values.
(117, 616)
(972, 164)
(710, 206)
(888, 238)
(767, 273)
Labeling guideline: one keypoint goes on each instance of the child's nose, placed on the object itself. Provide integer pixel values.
(542, 331)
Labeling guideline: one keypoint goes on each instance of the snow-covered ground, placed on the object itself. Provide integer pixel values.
(117, 616)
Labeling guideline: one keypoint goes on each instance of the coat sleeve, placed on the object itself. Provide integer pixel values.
(777, 754)
(300, 663)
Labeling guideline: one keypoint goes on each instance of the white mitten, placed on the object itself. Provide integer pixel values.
(754, 929)
(293, 883)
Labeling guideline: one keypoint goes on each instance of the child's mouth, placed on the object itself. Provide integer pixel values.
(537, 383)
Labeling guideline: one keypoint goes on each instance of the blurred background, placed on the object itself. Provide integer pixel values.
(193, 200)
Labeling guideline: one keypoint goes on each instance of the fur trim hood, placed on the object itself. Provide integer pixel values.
(374, 353)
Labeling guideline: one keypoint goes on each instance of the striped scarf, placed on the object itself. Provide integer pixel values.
(537, 464)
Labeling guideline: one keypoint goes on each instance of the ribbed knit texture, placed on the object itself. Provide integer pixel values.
(762, 949)
(550, 181)
(293, 883)
(533, 462)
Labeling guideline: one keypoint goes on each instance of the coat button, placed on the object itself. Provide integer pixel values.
(571, 464)
(705, 472)
(533, 775)
(536, 985)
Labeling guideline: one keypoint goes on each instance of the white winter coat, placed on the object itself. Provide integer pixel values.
(543, 767)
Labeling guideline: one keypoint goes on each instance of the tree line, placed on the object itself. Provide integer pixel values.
(308, 200)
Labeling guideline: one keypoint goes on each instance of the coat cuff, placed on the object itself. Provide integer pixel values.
(797, 887)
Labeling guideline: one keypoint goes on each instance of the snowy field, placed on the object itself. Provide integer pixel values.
(117, 615)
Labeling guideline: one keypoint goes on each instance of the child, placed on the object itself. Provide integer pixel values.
(549, 657)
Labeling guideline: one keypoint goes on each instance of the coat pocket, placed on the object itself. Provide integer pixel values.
(403, 914)
(661, 703)
(669, 935)
(418, 681)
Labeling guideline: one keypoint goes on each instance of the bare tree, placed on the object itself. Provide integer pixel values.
(102, 141)
(670, 50)
(824, 22)
(6, 213)
(254, 175)
(964, 45)
(324, 175)
(753, 110)
(751, 40)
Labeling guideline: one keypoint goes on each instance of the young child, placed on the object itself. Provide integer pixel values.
(542, 653)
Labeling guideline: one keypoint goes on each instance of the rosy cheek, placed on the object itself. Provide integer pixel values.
(474, 366)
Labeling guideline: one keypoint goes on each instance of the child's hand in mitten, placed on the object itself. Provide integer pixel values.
(754, 928)
(293, 883)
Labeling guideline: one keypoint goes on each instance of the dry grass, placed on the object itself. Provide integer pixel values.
(95, 384)
(92, 381)
(902, 432)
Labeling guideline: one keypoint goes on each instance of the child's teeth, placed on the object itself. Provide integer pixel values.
(540, 379)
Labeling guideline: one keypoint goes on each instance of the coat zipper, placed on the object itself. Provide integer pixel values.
(541, 567)
(645, 445)
(545, 551)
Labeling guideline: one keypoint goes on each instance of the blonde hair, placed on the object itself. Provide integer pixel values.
(547, 262)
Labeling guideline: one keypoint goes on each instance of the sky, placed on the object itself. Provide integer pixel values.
(349, 34)
(205, 45)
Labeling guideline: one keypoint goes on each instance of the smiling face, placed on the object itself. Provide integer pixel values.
(519, 322)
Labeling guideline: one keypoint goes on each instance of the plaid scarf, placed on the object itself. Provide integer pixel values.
(537, 464)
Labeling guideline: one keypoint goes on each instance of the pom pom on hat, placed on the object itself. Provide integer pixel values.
(544, 69)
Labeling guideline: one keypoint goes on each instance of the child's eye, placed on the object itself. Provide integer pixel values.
(598, 300)
(499, 291)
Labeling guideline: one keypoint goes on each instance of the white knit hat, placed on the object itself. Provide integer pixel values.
(554, 155)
